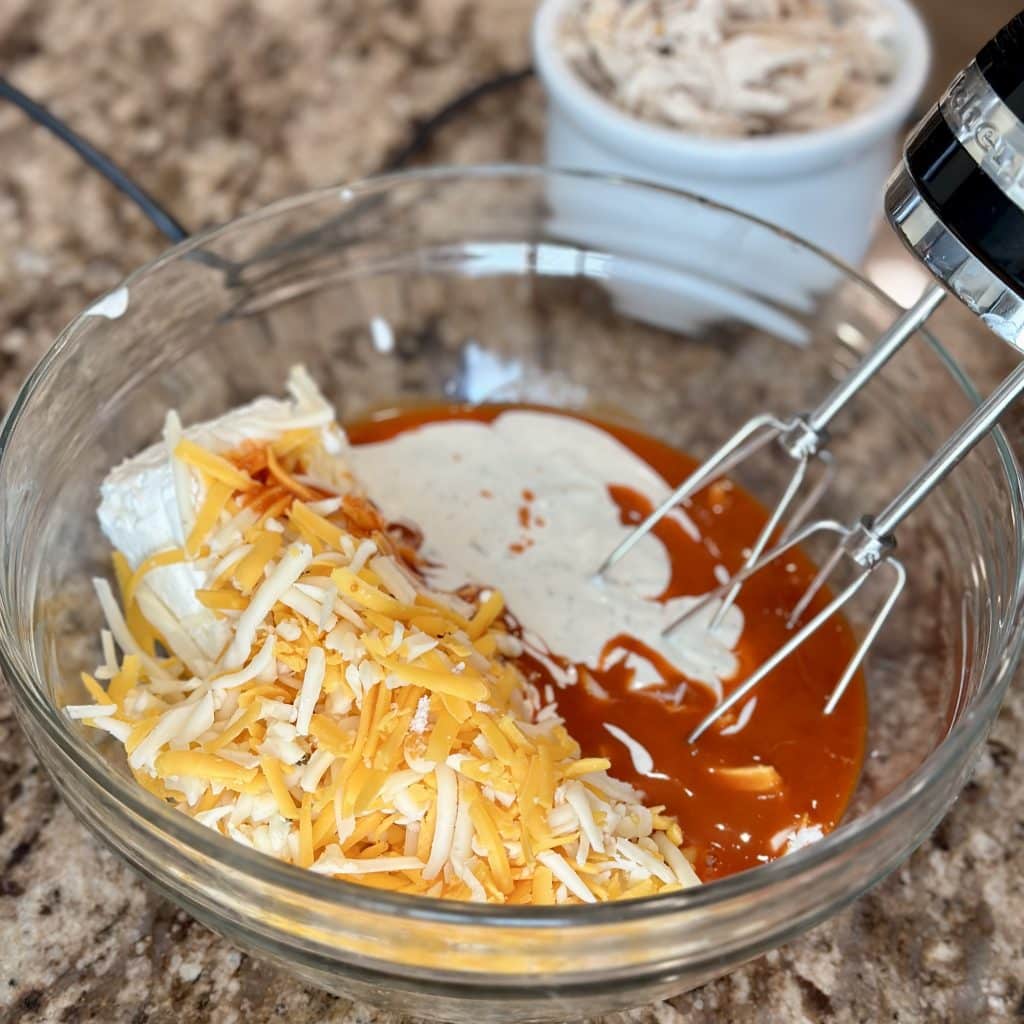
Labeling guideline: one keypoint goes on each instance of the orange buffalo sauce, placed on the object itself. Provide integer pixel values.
(755, 778)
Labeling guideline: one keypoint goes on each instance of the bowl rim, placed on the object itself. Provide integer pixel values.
(30, 693)
(760, 156)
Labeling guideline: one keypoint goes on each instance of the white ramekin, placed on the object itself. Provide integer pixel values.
(825, 185)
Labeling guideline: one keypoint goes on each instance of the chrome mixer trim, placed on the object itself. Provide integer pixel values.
(951, 262)
(987, 129)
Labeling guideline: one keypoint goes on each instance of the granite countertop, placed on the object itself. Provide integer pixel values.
(218, 108)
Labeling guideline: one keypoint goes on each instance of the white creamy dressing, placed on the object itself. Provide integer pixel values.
(643, 763)
(463, 482)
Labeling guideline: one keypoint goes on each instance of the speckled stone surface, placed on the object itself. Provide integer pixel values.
(220, 107)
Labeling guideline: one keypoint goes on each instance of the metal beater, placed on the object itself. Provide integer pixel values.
(957, 202)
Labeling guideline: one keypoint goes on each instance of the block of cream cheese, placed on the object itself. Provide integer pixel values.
(148, 502)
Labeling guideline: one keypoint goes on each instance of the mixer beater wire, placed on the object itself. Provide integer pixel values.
(868, 543)
(802, 437)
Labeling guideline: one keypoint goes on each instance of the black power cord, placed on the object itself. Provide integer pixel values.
(164, 221)
(425, 129)
(422, 135)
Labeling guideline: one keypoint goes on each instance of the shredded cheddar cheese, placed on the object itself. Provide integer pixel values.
(357, 722)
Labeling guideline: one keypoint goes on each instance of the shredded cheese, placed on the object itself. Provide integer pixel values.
(356, 722)
(213, 465)
(312, 684)
(285, 573)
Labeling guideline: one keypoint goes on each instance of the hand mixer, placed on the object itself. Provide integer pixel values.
(957, 202)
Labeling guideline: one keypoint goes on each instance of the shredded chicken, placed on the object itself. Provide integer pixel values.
(734, 67)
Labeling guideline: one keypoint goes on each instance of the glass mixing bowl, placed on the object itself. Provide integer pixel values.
(637, 303)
